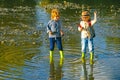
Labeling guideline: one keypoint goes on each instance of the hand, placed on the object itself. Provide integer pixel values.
(80, 28)
(61, 32)
(50, 32)
(95, 12)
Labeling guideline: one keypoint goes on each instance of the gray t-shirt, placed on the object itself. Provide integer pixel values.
(55, 27)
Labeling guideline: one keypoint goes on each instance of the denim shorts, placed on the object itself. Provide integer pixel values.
(87, 42)
(56, 40)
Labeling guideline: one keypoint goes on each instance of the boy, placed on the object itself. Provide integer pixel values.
(55, 33)
(87, 33)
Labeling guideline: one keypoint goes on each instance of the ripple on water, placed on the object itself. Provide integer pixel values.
(107, 69)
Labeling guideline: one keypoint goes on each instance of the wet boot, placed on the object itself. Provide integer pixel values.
(83, 57)
(51, 56)
(61, 61)
(91, 58)
(61, 55)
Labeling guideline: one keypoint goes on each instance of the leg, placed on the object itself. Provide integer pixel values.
(84, 46)
(59, 45)
(91, 50)
(91, 45)
(52, 44)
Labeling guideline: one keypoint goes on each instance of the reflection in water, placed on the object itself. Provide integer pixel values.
(56, 72)
(20, 40)
(12, 3)
(91, 72)
(85, 75)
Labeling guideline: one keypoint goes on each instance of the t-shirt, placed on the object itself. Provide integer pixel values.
(85, 25)
(55, 27)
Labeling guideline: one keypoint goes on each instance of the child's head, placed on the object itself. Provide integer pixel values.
(55, 14)
(85, 15)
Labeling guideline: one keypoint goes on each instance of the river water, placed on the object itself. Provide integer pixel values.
(24, 44)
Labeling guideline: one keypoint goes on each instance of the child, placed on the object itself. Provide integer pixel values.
(87, 33)
(55, 33)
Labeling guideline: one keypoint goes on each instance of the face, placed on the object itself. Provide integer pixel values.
(56, 18)
(86, 18)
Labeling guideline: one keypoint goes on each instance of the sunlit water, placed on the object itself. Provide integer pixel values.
(24, 47)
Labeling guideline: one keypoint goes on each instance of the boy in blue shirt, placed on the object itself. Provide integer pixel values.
(55, 33)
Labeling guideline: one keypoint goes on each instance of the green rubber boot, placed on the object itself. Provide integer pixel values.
(83, 57)
(61, 61)
(91, 58)
(51, 56)
(61, 54)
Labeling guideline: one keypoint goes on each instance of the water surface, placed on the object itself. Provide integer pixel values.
(24, 45)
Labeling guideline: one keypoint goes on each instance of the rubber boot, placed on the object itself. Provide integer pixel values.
(91, 58)
(51, 57)
(83, 57)
(61, 61)
(61, 55)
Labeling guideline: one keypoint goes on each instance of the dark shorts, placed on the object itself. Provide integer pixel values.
(58, 41)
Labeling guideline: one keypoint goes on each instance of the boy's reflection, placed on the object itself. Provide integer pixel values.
(56, 73)
(91, 72)
(85, 75)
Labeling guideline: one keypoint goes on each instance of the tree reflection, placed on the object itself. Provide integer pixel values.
(12, 56)
(12, 3)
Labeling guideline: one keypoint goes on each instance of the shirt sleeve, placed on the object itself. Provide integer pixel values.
(80, 26)
(48, 27)
(60, 24)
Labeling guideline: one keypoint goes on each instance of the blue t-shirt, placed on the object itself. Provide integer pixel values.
(55, 27)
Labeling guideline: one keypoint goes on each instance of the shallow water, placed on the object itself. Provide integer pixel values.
(24, 47)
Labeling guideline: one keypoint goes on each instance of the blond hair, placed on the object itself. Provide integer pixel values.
(54, 13)
(85, 13)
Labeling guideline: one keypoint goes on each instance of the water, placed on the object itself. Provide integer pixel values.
(24, 45)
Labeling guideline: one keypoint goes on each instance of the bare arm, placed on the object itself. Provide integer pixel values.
(95, 18)
(80, 28)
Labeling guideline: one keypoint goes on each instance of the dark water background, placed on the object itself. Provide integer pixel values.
(24, 45)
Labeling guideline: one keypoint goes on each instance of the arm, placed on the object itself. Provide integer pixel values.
(49, 29)
(80, 28)
(62, 33)
(95, 18)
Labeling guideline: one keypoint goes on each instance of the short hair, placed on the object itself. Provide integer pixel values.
(54, 13)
